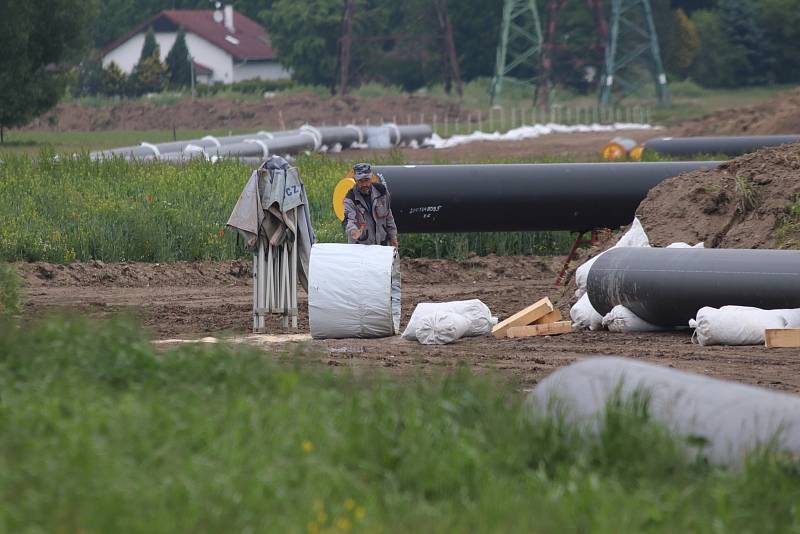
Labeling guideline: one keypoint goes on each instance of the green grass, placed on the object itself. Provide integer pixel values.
(33, 142)
(100, 433)
(78, 209)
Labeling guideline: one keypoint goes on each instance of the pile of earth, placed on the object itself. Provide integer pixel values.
(780, 115)
(748, 202)
(278, 112)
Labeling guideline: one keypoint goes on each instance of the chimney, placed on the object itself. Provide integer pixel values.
(228, 13)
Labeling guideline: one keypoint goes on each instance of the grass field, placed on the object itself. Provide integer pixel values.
(100, 433)
(78, 209)
(32, 142)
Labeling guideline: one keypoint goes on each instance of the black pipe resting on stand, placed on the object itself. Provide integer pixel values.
(667, 286)
(730, 145)
(503, 197)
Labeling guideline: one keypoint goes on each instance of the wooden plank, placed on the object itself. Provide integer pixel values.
(535, 311)
(782, 337)
(551, 317)
(549, 329)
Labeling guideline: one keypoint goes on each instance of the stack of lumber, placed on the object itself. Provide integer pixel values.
(538, 319)
(782, 337)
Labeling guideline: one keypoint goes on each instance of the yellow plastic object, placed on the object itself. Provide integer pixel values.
(613, 151)
(342, 188)
(617, 148)
(636, 153)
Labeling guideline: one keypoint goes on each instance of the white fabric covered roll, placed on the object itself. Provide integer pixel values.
(353, 291)
(734, 418)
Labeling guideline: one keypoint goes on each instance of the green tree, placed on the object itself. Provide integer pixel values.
(680, 43)
(741, 20)
(717, 58)
(306, 35)
(114, 80)
(781, 23)
(150, 47)
(177, 61)
(37, 37)
(149, 75)
(90, 78)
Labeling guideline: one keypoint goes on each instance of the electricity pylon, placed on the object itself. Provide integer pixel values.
(632, 26)
(520, 46)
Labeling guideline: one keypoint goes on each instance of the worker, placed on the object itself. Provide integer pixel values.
(368, 218)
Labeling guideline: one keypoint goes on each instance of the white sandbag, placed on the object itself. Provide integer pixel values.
(792, 317)
(584, 315)
(353, 291)
(477, 313)
(733, 418)
(681, 244)
(634, 237)
(734, 325)
(441, 327)
(621, 319)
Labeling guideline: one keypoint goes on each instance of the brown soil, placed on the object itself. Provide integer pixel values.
(741, 204)
(780, 115)
(192, 300)
(279, 112)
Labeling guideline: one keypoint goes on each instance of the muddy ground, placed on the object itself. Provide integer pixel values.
(194, 300)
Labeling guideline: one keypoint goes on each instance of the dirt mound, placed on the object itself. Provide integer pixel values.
(748, 202)
(279, 112)
(781, 115)
(135, 274)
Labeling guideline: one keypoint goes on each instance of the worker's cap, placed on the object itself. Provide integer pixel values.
(362, 171)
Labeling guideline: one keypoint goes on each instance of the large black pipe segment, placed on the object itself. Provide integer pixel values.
(730, 145)
(667, 286)
(503, 197)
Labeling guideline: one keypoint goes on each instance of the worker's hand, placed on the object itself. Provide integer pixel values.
(395, 243)
(356, 234)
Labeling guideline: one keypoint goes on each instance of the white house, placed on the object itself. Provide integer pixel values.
(225, 45)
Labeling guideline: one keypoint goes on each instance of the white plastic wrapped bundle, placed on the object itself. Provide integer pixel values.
(734, 418)
(442, 327)
(735, 325)
(477, 313)
(353, 291)
(621, 319)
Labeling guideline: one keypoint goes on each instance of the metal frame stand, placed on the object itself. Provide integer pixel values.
(579, 240)
(275, 283)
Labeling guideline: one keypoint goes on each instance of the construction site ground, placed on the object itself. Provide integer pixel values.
(188, 301)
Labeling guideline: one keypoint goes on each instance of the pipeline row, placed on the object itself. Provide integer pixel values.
(678, 147)
(518, 197)
(258, 146)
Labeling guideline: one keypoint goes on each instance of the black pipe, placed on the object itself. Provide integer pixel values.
(494, 198)
(666, 286)
(730, 145)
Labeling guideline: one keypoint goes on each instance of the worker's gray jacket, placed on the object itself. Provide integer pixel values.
(380, 227)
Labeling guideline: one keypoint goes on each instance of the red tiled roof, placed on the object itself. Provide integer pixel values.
(254, 43)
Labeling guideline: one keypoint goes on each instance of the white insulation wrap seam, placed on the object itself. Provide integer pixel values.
(350, 291)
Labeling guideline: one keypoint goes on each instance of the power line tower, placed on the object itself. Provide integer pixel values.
(520, 47)
(632, 27)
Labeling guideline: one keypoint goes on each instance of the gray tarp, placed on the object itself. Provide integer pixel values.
(274, 200)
